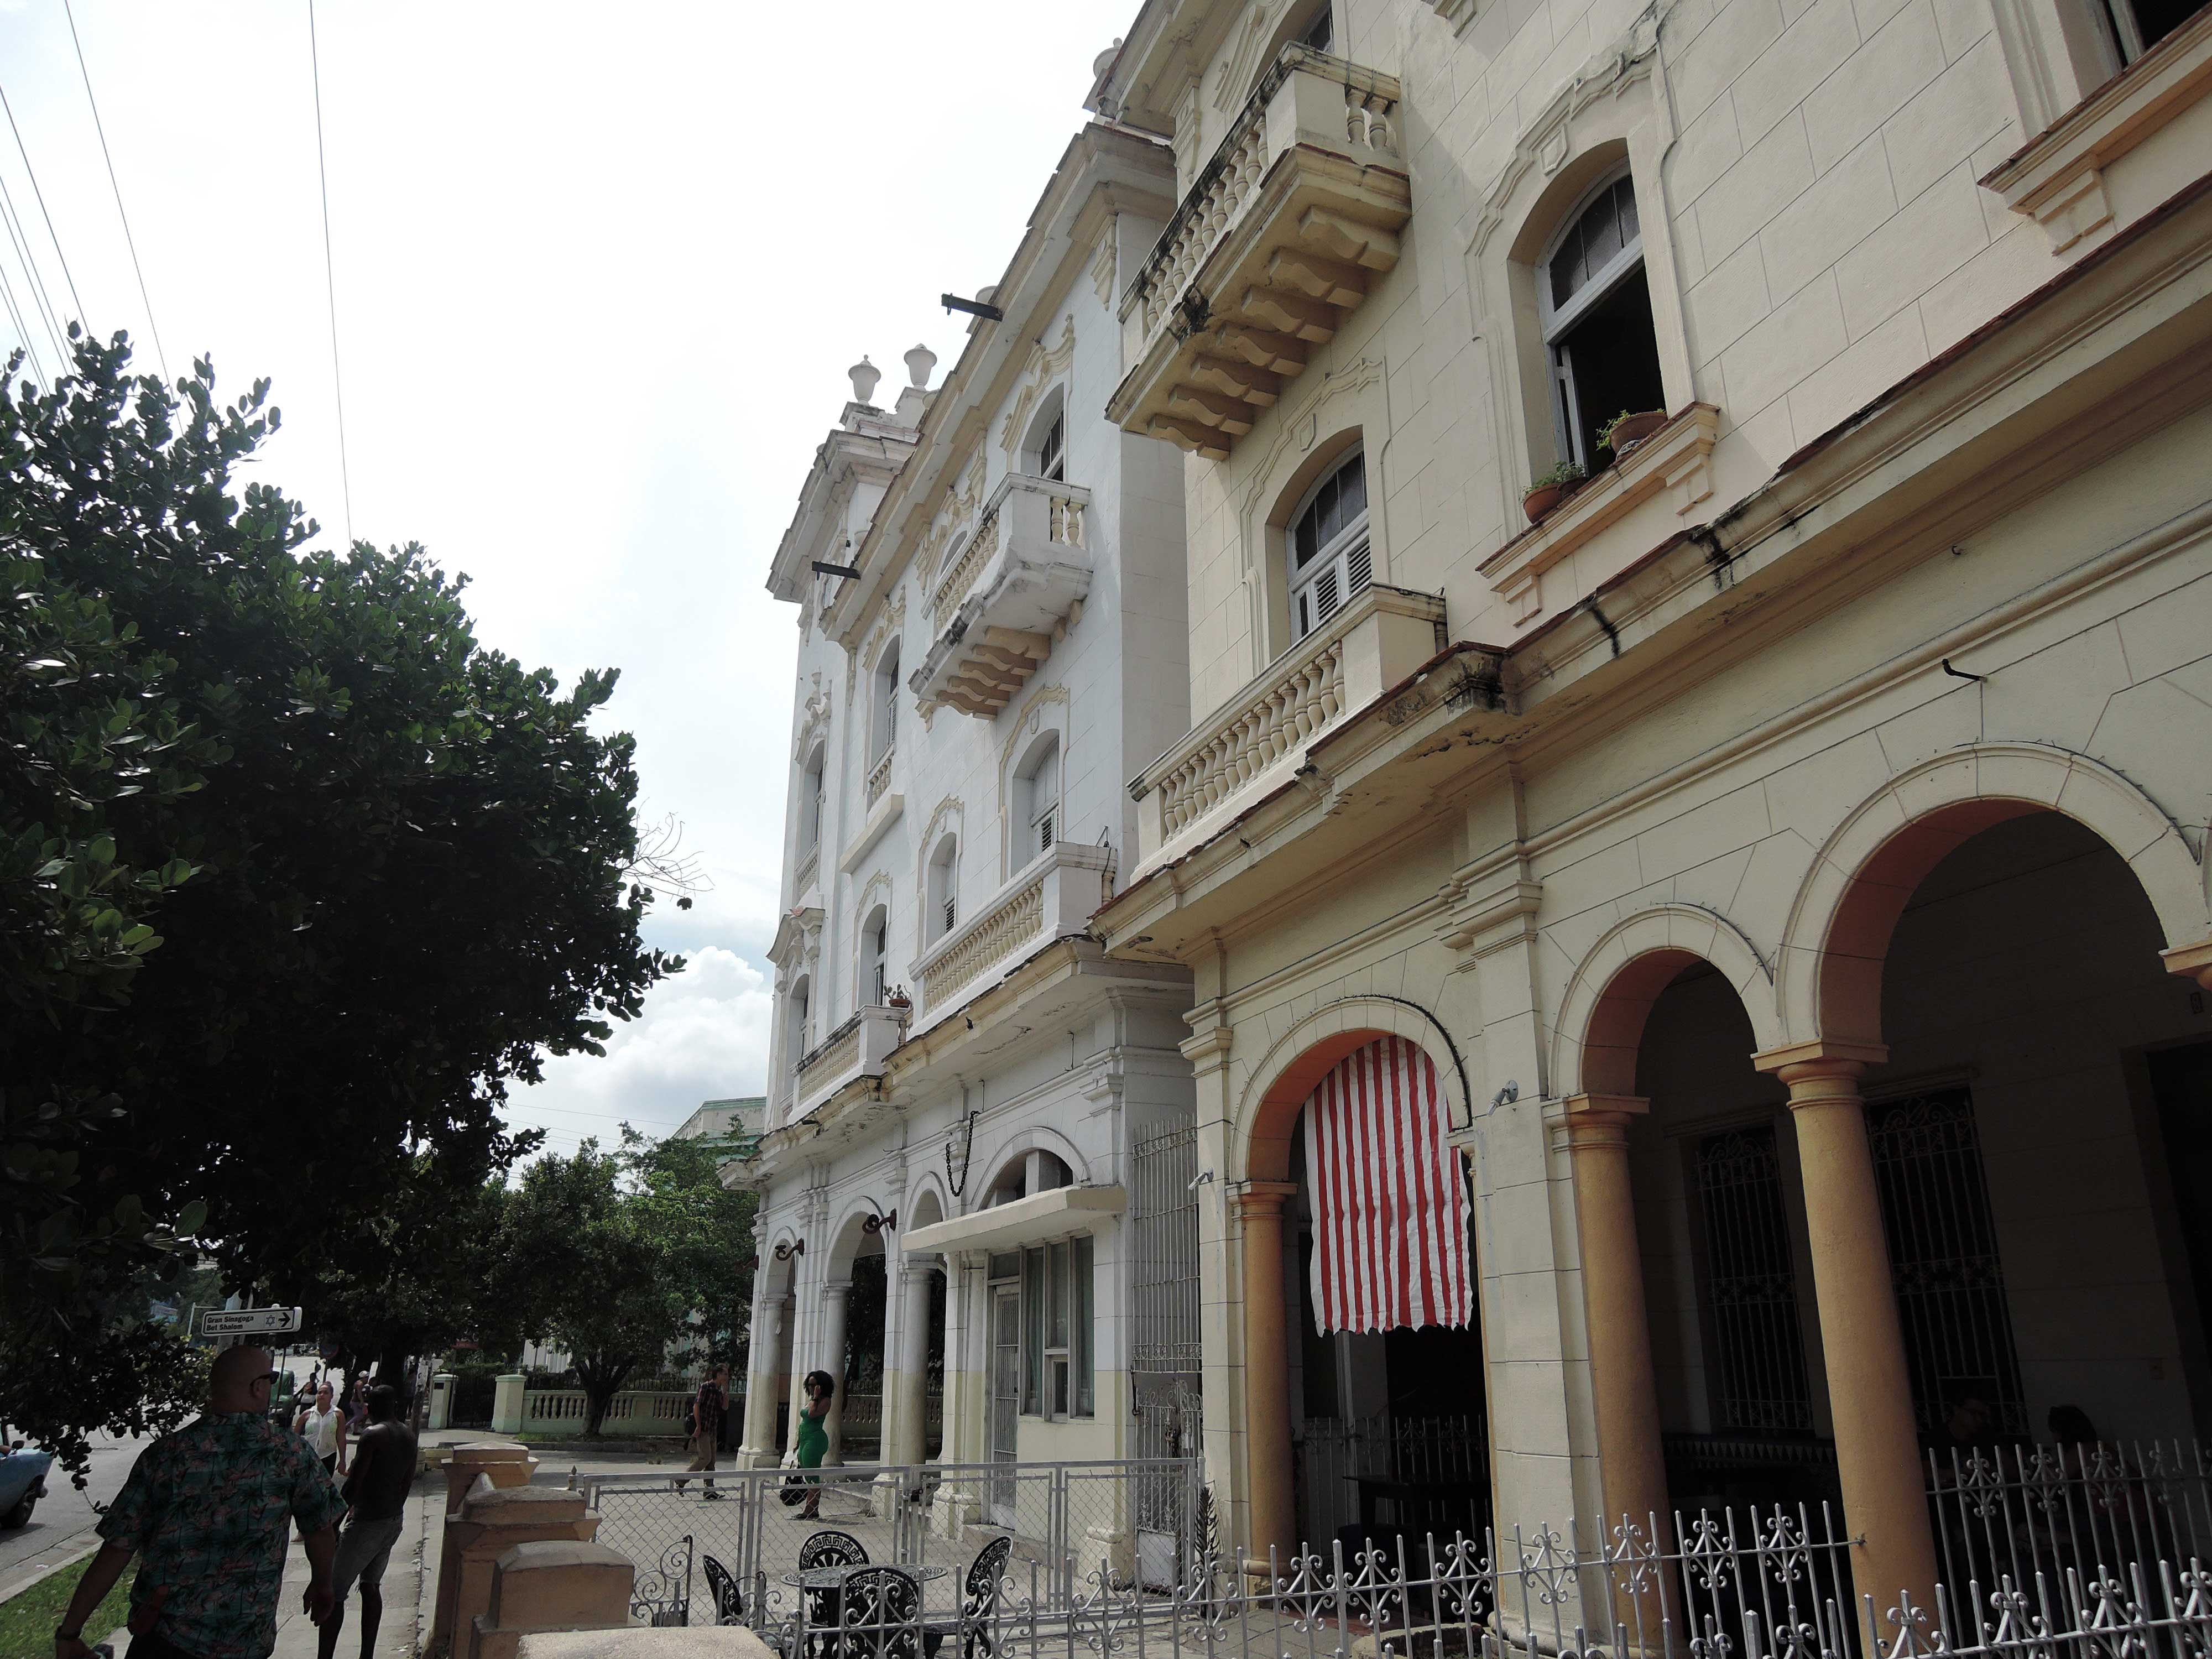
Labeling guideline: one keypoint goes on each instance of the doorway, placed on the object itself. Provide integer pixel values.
(1005, 1397)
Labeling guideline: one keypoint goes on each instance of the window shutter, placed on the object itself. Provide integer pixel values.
(1044, 834)
(948, 915)
(1326, 596)
(1361, 564)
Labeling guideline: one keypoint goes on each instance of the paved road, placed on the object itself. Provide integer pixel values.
(65, 1516)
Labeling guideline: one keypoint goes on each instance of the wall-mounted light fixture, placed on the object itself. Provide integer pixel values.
(790, 1248)
(879, 1222)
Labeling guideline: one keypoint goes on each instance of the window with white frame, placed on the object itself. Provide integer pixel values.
(795, 1045)
(1327, 546)
(1058, 1379)
(943, 888)
(875, 956)
(1045, 456)
(1596, 309)
(1036, 800)
(811, 801)
(885, 713)
(2133, 27)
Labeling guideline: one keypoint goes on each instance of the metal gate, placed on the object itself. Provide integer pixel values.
(1164, 1358)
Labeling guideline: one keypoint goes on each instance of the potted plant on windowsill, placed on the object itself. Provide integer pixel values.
(1547, 492)
(1624, 431)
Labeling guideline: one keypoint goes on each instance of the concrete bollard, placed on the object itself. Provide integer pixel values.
(502, 1462)
(551, 1585)
(441, 1400)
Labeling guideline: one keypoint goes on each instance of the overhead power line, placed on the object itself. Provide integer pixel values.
(20, 235)
(15, 316)
(67, 275)
(330, 280)
(130, 242)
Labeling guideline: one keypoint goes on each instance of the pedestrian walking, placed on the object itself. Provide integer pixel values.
(357, 1408)
(205, 1509)
(707, 1409)
(376, 1505)
(814, 1440)
(322, 1426)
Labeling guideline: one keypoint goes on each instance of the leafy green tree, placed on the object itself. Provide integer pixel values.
(296, 878)
(616, 1256)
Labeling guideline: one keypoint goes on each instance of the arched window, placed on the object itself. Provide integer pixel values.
(1596, 309)
(795, 1045)
(1327, 546)
(1036, 800)
(1027, 1174)
(1045, 455)
(811, 801)
(885, 715)
(2135, 25)
(944, 892)
(875, 956)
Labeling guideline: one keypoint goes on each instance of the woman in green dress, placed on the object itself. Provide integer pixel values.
(813, 1442)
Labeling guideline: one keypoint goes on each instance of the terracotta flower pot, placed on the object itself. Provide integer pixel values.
(1627, 434)
(1539, 502)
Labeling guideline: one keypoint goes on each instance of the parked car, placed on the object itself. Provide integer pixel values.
(22, 1482)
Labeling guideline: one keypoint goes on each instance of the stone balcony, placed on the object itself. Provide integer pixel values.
(857, 1049)
(1257, 740)
(1003, 597)
(1279, 238)
(1054, 895)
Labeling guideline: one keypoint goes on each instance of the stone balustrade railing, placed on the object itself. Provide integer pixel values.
(1296, 101)
(880, 776)
(555, 1412)
(1054, 896)
(960, 575)
(1028, 509)
(1260, 734)
(856, 1048)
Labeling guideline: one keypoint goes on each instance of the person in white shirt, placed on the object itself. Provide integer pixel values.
(322, 1426)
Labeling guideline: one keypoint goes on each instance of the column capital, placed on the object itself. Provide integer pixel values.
(1262, 1198)
(2191, 962)
(1831, 1060)
(836, 1292)
(1587, 1122)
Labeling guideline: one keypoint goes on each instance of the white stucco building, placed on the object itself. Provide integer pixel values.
(958, 1074)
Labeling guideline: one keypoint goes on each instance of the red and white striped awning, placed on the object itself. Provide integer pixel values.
(1389, 1203)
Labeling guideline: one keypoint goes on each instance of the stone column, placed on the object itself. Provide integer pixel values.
(908, 1415)
(1625, 1398)
(830, 1356)
(763, 1387)
(1869, 1389)
(1266, 1372)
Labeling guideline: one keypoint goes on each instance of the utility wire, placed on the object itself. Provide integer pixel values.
(21, 237)
(130, 242)
(8, 296)
(67, 275)
(330, 281)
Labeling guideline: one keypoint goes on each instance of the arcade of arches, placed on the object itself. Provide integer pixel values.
(1800, 1261)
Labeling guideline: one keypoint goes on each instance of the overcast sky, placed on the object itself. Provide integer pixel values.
(599, 272)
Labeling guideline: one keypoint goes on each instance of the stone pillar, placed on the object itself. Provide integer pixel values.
(1266, 1372)
(1626, 1399)
(1869, 1389)
(552, 1584)
(906, 1408)
(488, 1524)
(830, 1356)
(502, 1463)
(441, 1400)
(506, 1404)
(763, 1387)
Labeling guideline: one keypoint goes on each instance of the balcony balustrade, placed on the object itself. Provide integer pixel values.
(1056, 894)
(857, 1049)
(1258, 739)
(1003, 596)
(879, 777)
(1278, 239)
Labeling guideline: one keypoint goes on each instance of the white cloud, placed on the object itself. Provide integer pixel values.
(703, 1036)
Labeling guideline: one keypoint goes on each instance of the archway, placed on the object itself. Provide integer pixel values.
(770, 1354)
(850, 1335)
(1363, 1365)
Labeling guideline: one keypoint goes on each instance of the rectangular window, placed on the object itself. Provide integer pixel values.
(1033, 1329)
(1057, 1366)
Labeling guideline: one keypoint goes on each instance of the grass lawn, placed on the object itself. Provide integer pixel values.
(27, 1621)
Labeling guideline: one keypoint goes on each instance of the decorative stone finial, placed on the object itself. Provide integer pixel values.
(1104, 60)
(919, 362)
(864, 375)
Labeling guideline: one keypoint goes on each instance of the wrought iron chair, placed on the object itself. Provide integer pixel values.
(979, 1605)
(831, 1548)
(827, 1548)
(729, 1600)
(881, 1618)
(661, 1593)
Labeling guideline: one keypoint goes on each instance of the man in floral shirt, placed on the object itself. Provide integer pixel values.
(209, 1509)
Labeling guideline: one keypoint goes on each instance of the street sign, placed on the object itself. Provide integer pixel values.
(247, 1322)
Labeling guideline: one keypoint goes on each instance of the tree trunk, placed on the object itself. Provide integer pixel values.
(602, 1381)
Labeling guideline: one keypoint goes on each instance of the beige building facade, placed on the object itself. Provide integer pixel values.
(1790, 849)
